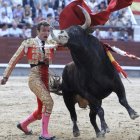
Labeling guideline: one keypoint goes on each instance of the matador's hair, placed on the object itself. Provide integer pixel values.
(44, 23)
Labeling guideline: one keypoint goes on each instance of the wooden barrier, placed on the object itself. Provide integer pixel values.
(62, 56)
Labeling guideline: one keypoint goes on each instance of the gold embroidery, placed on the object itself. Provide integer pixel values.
(38, 88)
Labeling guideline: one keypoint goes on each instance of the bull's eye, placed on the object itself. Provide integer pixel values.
(62, 32)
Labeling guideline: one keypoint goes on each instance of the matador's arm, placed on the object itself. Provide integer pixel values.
(13, 61)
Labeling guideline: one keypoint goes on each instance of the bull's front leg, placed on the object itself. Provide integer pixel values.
(96, 109)
(92, 116)
(70, 104)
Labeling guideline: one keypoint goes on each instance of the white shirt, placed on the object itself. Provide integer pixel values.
(27, 33)
(15, 32)
(7, 10)
(5, 19)
(16, 2)
(4, 32)
(47, 46)
(46, 12)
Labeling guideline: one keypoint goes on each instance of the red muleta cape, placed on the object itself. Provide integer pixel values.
(72, 14)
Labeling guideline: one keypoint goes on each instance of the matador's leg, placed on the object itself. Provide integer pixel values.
(38, 87)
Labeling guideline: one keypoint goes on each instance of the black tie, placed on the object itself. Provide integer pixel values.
(43, 44)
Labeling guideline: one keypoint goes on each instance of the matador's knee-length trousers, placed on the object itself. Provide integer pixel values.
(38, 83)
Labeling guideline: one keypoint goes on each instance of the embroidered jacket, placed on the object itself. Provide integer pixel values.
(32, 48)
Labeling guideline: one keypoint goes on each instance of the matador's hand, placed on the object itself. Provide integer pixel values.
(4, 80)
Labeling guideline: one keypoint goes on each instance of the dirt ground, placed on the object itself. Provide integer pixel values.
(17, 101)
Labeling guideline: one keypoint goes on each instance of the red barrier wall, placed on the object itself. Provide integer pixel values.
(62, 56)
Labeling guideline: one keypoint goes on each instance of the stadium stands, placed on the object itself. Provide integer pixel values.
(21, 16)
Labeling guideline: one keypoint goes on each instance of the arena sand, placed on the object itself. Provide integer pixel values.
(17, 101)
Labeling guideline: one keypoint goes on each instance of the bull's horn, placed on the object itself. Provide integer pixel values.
(87, 18)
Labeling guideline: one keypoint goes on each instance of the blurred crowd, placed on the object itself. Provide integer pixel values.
(17, 17)
(112, 34)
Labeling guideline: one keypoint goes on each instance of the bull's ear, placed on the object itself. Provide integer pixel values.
(89, 30)
(87, 18)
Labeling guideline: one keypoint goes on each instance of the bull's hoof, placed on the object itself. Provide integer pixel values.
(107, 130)
(100, 134)
(76, 133)
(134, 116)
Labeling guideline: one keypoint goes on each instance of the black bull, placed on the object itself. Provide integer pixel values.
(92, 76)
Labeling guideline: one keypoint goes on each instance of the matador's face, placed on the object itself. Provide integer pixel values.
(44, 32)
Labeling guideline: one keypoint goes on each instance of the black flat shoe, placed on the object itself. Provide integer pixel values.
(26, 133)
(50, 138)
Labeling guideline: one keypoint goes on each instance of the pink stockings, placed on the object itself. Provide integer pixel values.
(45, 121)
(30, 119)
(26, 122)
(37, 114)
